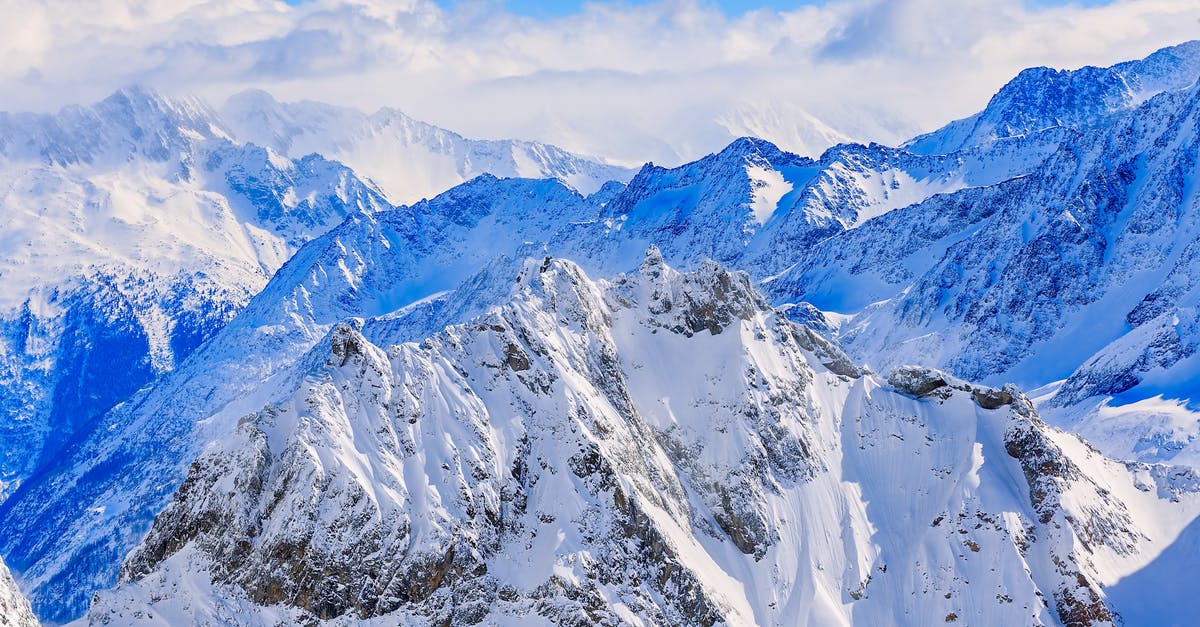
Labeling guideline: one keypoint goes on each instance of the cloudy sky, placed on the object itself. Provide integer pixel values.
(631, 81)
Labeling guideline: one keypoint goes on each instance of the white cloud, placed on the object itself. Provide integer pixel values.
(660, 81)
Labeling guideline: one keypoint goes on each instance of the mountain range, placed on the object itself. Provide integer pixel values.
(288, 363)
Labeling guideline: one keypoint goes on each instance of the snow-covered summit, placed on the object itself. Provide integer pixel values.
(659, 448)
(133, 123)
(1041, 98)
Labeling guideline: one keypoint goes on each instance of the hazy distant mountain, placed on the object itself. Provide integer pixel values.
(408, 159)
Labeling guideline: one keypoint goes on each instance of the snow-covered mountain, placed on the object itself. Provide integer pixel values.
(1049, 241)
(1043, 98)
(408, 159)
(134, 229)
(662, 448)
(138, 226)
(407, 262)
(1078, 267)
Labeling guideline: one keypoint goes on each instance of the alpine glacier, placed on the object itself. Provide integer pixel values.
(331, 407)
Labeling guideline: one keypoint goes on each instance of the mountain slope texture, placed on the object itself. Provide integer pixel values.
(289, 363)
(664, 448)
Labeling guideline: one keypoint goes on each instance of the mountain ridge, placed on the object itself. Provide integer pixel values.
(950, 260)
(574, 359)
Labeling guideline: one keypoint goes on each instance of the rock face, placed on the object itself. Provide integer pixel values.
(661, 448)
(14, 609)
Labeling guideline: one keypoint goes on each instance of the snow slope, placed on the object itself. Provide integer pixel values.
(14, 609)
(659, 449)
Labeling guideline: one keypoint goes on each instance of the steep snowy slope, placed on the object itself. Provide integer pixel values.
(408, 159)
(14, 609)
(661, 449)
(1082, 269)
(133, 231)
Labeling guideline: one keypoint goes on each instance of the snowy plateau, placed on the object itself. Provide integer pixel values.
(287, 363)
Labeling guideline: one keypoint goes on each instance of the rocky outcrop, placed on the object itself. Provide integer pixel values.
(921, 382)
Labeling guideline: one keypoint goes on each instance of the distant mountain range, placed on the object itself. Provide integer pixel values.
(284, 363)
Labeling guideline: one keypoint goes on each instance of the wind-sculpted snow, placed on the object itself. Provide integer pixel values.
(661, 448)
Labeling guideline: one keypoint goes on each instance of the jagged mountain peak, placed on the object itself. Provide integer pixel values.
(133, 123)
(738, 153)
(578, 454)
(750, 146)
(139, 98)
(1040, 98)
